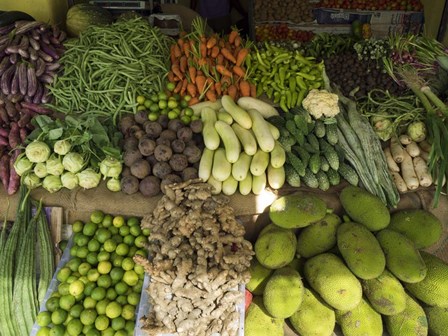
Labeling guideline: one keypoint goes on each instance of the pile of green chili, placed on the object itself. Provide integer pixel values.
(107, 67)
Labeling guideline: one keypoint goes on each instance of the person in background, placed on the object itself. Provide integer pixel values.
(217, 13)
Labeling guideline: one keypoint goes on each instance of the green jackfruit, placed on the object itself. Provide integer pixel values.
(365, 208)
(258, 322)
(275, 248)
(402, 258)
(333, 281)
(314, 317)
(411, 321)
(362, 320)
(437, 320)
(385, 293)
(319, 237)
(420, 226)
(360, 250)
(433, 289)
(283, 293)
(297, 210)
(259, 276)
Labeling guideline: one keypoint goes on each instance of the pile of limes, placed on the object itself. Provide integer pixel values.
(172, 104)
(100, 286)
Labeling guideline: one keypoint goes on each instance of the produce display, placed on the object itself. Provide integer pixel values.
(200, 257)
(365, 271)
(293, 11)
(99, 286)
(27, 246)
(396, 5)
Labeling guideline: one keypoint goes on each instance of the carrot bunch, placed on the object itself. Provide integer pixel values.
(207, 68)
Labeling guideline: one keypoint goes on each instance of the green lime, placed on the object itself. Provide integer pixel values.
(74, 327)
(185, 119)
(128, 264)
(172, 115)
(129, 240)
(101, 322)
(128, 312)
(116, 274)
(82, 252)
(79, 297)
(162, 104)
(154, 97)
(93, 245)
(195, 117)
(69, 318)
(162, 96)
(73, 264)
(146, 232)
(134, 298)
(108, 332)
(124, 230)
(76, 310)
(66, 302)
(139, 269)
(133, 221)
(89, 287)
(117, 238)
(130, 326)
(44, 331)
(183, 103)
(170, 86)
(122, 249)
(107, 220)
(104, 267)
(110, 245)
(132, 251)
(52, 304)
(58, 316)
(130, 278)
(90, 229)
(121, 332)
(121, 287)
(97, 216)
(89, 303)
(103, 234)
(57, 330)
(153, 116)
(88, 316)
(121, 299)
(77, 226)
(118, 323)
(103, 256)
(142, 253)
(63, 274)
(87, 328)
(101, 306)
(98, 294)
(135, 230)
(43, 318)
(84, 268)
(113, 310)
(140, 99)
(187, 98)
(117, 261)
(118, 221)
(172, 104)
(147, 103)
(93, 275)
(93, 332)
(71, 278)
(138, 287)
(141, 241)
(63, 288)
(80, 239)
(76, 287)
(92, 258)
(154, 107)
(104, 281)
(111, 293)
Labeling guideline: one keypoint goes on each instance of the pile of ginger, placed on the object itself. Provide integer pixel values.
(198, 257)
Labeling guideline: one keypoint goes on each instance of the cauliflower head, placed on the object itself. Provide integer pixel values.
(321, 103)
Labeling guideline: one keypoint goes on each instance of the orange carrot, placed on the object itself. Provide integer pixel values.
(215, 51)
(241, 56)
(203, 49)
(202, 61)
(232, 36)
(253, 90)
(176, 70)
(170, 76)
(199, 73)
(218, 88)
(186, 49)
(223, 71)
(228, 55)
(200, 83)
(183, 63)
(180, 42)
(183, 89)
(220, 59)
(238, 41)
(211, 95)
(178, 87)
(232, 91)
(221, 43)
(176, 50)
(226, 80)
(211, 42)
(191, 89)
(193, 101)
(192, 73)
(245, 88)
(172, 54)
(239, 71)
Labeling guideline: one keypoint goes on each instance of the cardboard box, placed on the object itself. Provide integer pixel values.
(383, 30)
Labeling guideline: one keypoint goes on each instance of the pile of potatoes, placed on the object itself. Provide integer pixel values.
(158, 153)
(366, 272)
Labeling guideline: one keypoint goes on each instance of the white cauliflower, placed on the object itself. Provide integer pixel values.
(320, 103)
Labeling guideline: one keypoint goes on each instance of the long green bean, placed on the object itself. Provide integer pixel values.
(106, 64)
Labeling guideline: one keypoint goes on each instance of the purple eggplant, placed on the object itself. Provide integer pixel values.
(5, 81)
(32, 81)
(4, 65)
(49, 50)
(33, 54)
(23, 78)
(14, 87)
(13, 58)
(43, 55)
(34, 44)
(40, 67)
(37, 98)
(23, 27)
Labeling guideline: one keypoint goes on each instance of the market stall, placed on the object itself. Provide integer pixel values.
(158, 181)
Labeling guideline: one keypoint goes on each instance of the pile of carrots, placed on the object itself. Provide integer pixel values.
(206, 68)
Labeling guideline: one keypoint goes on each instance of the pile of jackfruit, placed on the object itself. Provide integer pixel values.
(365, 272)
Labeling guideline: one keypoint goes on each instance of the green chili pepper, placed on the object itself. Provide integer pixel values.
(301, 96)
(282, 74)
(283, 104)
(288, 99)
(301, 83)
(307, 76)
(294, 99)
(277, 97)
(292, 84)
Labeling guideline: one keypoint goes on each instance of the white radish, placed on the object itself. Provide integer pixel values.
(413, 149)
(425, 145)
(396, 150)
(405, 139)
(399, 182)
(408, 172)
(390, 161)
(422, 172)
